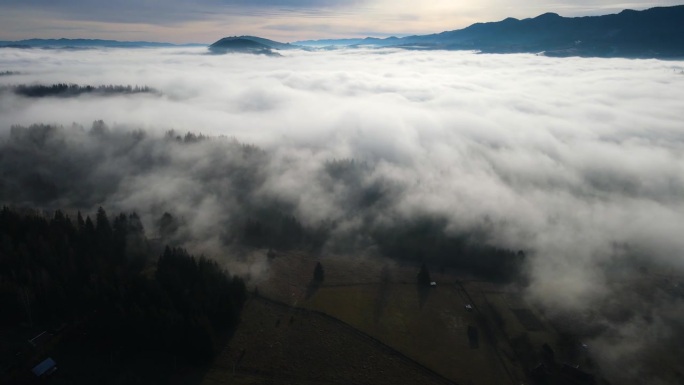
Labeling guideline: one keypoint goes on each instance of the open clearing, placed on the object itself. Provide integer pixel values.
(369, 322)
(430, 326)
(278, 344)
(380, 298)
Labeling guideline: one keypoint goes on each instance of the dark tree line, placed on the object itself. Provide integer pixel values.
(99, 276)
(428, 240)
(48, 165)
(281, 231)
(70, 90)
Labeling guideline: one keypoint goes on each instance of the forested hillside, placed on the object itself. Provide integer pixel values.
(216, 193)
(99, 278)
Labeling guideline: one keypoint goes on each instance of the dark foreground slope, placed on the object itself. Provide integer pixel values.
(281, 344)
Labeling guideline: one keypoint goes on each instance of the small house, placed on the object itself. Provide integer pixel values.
(45, 368)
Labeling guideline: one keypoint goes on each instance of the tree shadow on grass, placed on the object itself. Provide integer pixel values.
(311, 288)
(423, 294)
(473, 337)
(382, 295)
(424, 285)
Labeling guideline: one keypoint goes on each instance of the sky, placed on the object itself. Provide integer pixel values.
(205, 21)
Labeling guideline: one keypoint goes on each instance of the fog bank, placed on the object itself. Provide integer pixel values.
(576, 161)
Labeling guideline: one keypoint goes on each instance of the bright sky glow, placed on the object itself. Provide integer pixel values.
(205, 21)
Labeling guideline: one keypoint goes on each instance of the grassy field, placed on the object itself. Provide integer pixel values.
(381, 298)
(277, 344)
(431, 326)
(499, 340)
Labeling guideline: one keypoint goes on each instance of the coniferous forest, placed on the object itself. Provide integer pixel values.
(73, 90)
(97, 285)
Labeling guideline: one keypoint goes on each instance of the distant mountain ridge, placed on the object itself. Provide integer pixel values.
(652, 33)
(87, 43)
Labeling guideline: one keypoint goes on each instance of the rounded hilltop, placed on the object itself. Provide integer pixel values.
(248, 44)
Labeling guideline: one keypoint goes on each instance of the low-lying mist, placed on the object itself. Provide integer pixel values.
(578, 162)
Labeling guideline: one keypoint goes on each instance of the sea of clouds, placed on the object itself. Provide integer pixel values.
(577, 161)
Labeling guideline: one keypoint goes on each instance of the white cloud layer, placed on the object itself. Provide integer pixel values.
(578, 161)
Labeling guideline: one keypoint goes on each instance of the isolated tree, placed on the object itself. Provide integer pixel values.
(424, 276)
(318, 273)
(89, 228)
(167, 225)
(135, 226)
(103, 226)
(80, 223)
